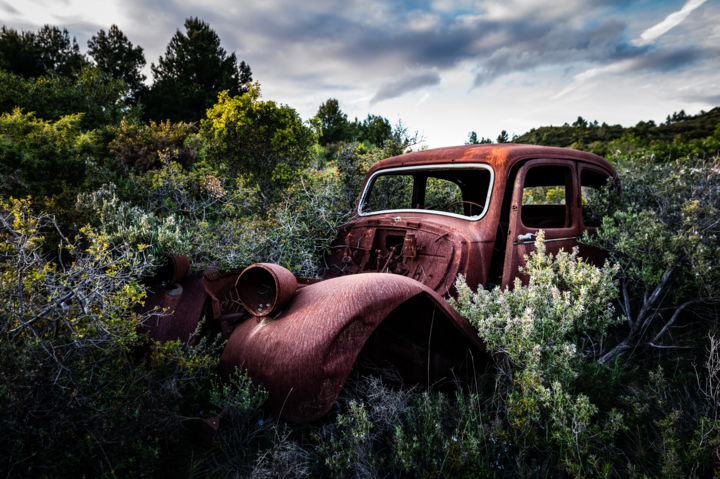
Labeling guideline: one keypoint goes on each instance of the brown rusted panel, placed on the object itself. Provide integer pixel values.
(265, 288)
(435, 248)
(304, 356)
(175, 311)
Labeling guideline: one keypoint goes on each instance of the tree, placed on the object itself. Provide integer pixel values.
(260, 140)
(503, 137)
(118, 58)
(19, 53)
(376, 130)
(334, 125)
(193, 71)
(90, 92)
(43, 158)
(48, 52)
(58, 54)
(473, 139)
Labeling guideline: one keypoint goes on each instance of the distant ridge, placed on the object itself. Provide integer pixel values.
(678, 127)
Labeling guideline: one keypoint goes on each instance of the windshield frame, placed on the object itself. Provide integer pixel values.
(430, 167)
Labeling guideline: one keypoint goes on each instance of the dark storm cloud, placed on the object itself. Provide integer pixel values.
(558, 46)
(397, 87)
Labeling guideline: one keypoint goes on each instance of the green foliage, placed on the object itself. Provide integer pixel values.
(193, 71)
(681, 135)
(334, 127)
(541, 326)
(73, 368)
(540, 333)
(121, 222)
(266, 142)
(333, 123)
(351, 447)
(89, 93)
(473, 139)
(662, 229)
(141, 147)
(41, 157)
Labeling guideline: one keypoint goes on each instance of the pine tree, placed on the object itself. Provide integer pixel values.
(194, 69)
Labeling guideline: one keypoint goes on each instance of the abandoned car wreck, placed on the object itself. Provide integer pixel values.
(421, 220)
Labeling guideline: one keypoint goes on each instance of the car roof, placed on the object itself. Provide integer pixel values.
(501, 156)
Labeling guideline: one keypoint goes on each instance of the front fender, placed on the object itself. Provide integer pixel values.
(304, 356)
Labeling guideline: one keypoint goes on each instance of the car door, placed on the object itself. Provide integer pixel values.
(545, 196)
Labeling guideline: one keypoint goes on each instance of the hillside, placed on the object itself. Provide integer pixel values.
(678, 128)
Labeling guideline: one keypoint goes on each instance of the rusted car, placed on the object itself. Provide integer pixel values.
(421, 220)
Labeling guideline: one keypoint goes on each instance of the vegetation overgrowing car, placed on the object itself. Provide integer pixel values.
(422, 219)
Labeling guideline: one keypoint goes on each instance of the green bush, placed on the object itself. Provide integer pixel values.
(44, 158)
(661, 228)
(83, 392)
(541, 334)
(142, 147)
(90, 93)
(261, 140)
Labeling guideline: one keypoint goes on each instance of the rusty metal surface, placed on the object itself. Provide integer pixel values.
(175, 310)
(501, 156)
(265, 288)
(304, 356)
(434, 249)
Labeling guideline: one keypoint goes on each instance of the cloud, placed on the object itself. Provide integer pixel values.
(407, 83)
(655, 61)
(670, 22)
(545, 45)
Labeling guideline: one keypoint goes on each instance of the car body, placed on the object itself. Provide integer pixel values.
(422, 219)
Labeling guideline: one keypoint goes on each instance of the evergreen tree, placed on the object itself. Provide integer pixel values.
(19, 53)
(118, 58)
(334, 125)
(58, 54)
(194, 69)
(376, 130)
(49, 52)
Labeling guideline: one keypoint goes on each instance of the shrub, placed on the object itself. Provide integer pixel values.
(540, 335)
(662, 229)
(90, 93)
(74, 369)
(143, 147)
(43, 158)
(261, 140)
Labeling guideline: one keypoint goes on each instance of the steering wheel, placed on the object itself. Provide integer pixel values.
(466, 202)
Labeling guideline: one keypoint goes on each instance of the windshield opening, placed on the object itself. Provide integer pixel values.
(455, 190)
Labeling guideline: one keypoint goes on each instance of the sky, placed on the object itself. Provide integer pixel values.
(442, 67)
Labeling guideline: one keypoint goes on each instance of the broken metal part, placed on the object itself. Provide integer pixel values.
(265, 288)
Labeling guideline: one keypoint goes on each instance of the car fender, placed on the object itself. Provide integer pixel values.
(304, 354)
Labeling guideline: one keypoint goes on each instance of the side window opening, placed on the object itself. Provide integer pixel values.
(546, 197)
(591, 183)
